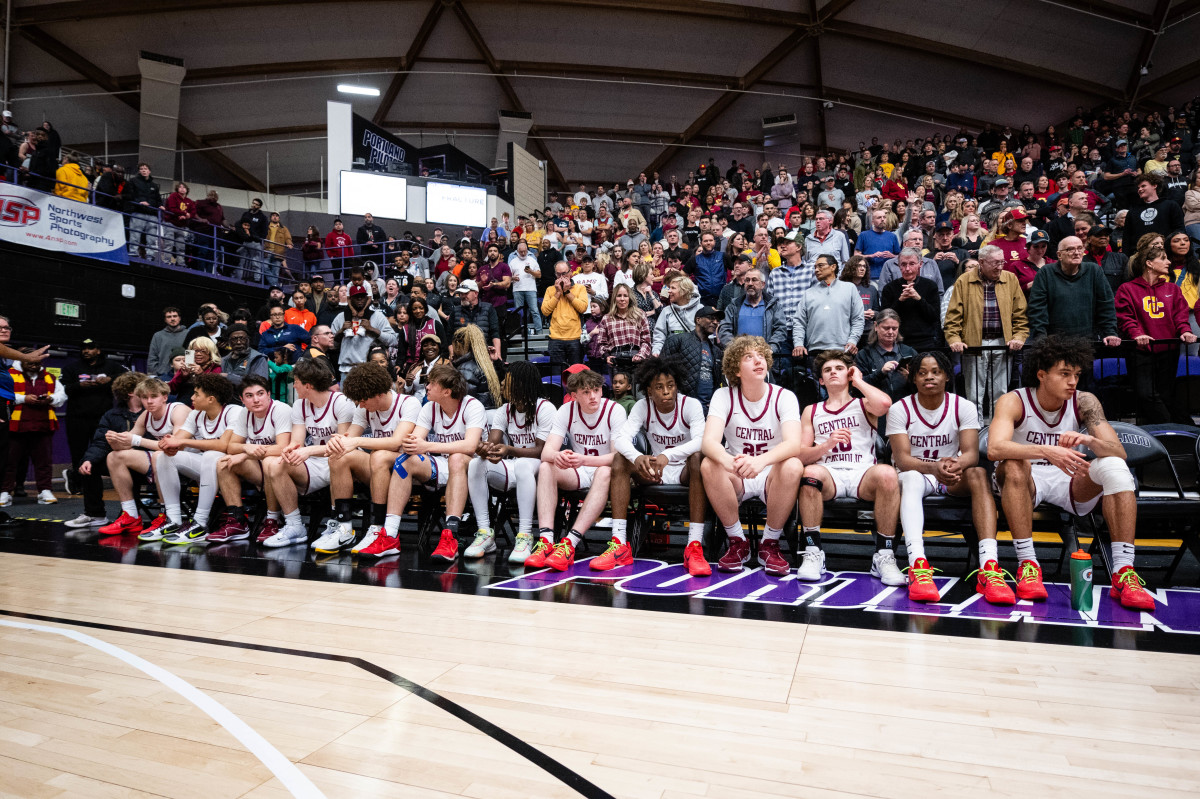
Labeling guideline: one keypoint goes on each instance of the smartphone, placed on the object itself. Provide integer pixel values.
(903, 363)
(189, 358)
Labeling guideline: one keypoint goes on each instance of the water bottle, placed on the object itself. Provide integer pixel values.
(400, 470)
(1081, 581)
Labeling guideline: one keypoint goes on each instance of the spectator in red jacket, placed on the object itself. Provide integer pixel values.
(1151, 307)
(209, 231)
(177, 220)
(339, 246)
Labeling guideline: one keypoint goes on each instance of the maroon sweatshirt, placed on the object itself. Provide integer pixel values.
(1157, 311)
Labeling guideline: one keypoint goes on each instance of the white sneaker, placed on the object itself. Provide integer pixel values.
(523, 548)
(5, 499)
(812, 565)
(484, 543)
(47, 498)
(287, 536)
(372, 533)
(337, 536)
(84, 520)
(883, 566)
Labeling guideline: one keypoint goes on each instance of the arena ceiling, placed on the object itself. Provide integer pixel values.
(614, 86)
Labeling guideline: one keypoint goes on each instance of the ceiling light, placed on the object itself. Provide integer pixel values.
(349, 88)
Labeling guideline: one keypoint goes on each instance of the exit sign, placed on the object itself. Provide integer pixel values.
(68, 310)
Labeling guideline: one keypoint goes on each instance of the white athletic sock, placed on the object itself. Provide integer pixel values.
(696, 532)
(734, 530)
(575, 538)
(618, 529)
(293, 519)
(201, 516)
(1122, 555)
(1025, 551)
(771, 534)
(129, 507)
(912, 514)
(275, 515)
(987, 551)
(524, 526)
(477, 490)
(391, 525)
(174, 514)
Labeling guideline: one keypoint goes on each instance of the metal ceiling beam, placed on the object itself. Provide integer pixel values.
(1109, 11)
(1149, 39)
(1182, 11)
(53, 47)
(1172, 79)
(406, 61)
(932, 115)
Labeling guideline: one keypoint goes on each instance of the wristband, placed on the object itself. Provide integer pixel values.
(136, 441)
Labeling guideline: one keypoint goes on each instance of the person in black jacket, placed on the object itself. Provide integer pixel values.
(470, 358)
(88, 382)
(109, 186)
(470, 311)
(143, 202)
(697, 356)
(92, 464)
(915, 299)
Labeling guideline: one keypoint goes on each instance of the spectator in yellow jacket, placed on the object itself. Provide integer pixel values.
(72, 183)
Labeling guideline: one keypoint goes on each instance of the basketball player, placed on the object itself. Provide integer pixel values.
(263, 431)
(133, 452)
(388, 417)
(1033, 438)
(760, 424)
(193, 450)
(674, 426)
(526, 420)
(591, 421)
(319, 414)
(935, 446)
(838, 438)
(439, 449)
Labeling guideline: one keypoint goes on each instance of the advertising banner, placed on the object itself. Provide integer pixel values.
(51, 223)
(378, 148)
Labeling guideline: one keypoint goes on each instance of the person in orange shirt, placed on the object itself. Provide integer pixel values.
(299, 314)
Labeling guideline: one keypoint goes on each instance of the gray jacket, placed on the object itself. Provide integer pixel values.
(776, 324)
(159, 359)
(354, 349)
(673, 319)
(829, 317)
(252, 362)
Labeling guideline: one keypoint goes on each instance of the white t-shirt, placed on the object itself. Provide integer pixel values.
(443, 429)
(202, 428)
(752, 428)
(595, 280)
(264, 431)
(403, 408)
(320, 424)
(522, 280)
(520, 432)
(678, 434)
(933, 435)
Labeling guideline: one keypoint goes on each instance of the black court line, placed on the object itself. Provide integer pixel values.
(534, 755)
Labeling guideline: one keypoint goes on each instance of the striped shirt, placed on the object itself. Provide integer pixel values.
(787, 285)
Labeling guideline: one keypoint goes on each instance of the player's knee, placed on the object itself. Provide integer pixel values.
(791, 470)
(458, 461)
(694, 460)
(885, 478)
(977, 477)
(812, 481)
(1015, 472)
(1112, 475)
(474, 467)
(620, 465)
(547, 471)
(911, 482)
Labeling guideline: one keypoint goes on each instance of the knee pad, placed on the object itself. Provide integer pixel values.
(813, 482)
(911, 479)
(1112, 475)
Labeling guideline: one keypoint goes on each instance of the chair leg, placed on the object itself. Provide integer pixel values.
(1100, 543)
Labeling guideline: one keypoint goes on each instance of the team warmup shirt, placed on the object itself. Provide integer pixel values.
(933, 435)
(521, 433)
(860, 452)
(443, 428)
(202, 428)
(383, 424)
(1039, 428)
(592, 433)
(265, 431)
(321, 423)
(752, 428)
(162, 427)
(677, 434)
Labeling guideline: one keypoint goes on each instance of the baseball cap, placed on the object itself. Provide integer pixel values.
(1121, 143)
(744, 257)
(88, 343)
(1001, 182)
(7, 113)
(708, 312)
(315, 278)
(943, 226)
(1039, 237)
(1100, 231)
(829, 178)
(1175, 139)
(574, 369)
(428, 336)
(356, 290)
(467, 285)
(1019, 213)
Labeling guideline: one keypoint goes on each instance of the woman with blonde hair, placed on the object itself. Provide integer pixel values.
(679, 315)
(207, 360)
(471, 359)
(970, 233)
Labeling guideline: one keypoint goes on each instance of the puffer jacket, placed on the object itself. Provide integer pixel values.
(118, 420)
(674, 319)
(684, 352)
(476, 379)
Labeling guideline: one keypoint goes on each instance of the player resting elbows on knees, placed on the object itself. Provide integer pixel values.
(760, 424)
(674, 426)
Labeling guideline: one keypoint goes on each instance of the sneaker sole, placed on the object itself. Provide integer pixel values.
(878, 576)
(775, 572)
(327, 551)
(285, 544)
(384, 554)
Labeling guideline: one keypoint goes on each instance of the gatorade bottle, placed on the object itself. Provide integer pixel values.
(1081, 580)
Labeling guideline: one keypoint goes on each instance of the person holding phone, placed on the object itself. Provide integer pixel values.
(885, 361)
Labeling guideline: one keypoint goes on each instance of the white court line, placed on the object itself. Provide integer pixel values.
(272, 758)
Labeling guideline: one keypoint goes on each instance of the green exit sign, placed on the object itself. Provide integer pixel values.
(68, 310)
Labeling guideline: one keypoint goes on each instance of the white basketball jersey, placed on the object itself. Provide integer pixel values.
(321, 424)
(443, 428)
(1039, 428)
(264, 431)
(383, 424)
(672, 430)
(933, 435)
(752, 428)
(161, 427)
(592, 435)
(852, 416)
(523, 433)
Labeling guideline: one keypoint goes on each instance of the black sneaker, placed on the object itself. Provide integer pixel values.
(189, 533)
(70, 483)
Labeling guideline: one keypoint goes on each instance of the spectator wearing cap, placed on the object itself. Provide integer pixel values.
(9, 127)
(732, 292)
(1118, 173)
(1035, 259)
(1001, 200)
(1150, 213)
(1180, 147)
(825, 239)
(359, 329)
(87, 380)
(1114, 265)
(948, 258)
(789, 282)
(1010, 236)
(698, 354)
(470, 311)
(242, 360)
(830, 196)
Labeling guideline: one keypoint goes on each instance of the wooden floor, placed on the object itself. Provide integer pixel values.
(641, 704)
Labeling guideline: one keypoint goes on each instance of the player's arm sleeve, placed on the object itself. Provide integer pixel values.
(896, 422)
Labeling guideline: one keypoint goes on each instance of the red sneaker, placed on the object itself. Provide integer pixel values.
(771, 560)
(382, 546)
(270, 527)
(1127, 589)
(921, 587)
(447, 548)
(991, 584)
(735, 556)
(124, 524)
(617, 554)
(563, 556)
(1029, 581)
(233, 527)
(159, 522)
(537, 560)
(693, 558)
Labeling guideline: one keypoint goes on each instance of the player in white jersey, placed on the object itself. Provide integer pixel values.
(838, 439)
(436, 454)
(525, 419)
(590, 420)
(385, 418)
(674, 427)
(760, 425)
(263, 431)
(133, 452)
(1032, 440)
(193, 451)
(935, 446)
(317, 416)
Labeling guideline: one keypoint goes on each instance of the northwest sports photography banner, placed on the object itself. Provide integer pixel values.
(51, 223)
